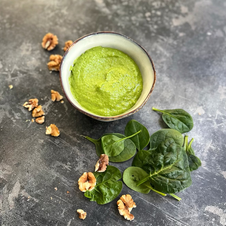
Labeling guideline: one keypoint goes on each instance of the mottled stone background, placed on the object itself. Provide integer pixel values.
(187, 42)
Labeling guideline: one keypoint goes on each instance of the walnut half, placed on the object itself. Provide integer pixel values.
(40, 120)
(49, 41)
(81, 214)
(37, 112)
(31, 104)
(55, 96)
(125, 205)
(102, 163)
(67, 45)
(87, 182)
(52, 130)
(55, 61)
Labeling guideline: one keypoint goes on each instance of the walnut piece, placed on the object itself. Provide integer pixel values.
(102, 163)
(40, 120)
(49, 41)
(87, 182)
(31, 104)
(55, 61)
(55, 96)
(37, 112)
(125, 205)
(81, 214)
(52, 130)
(10, 86)
(67, 44)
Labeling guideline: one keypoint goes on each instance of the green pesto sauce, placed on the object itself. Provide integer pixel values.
(105, 81)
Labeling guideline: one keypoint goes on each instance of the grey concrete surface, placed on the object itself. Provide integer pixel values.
(187, 42)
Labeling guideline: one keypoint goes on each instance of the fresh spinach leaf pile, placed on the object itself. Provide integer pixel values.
(164, 167)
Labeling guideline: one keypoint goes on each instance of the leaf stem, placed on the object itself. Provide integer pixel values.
(175, 196)
(160, 193)
(185, 146)
(189, 145)
(155, 109)
(143, 180)
(90, 139)
(124, 138)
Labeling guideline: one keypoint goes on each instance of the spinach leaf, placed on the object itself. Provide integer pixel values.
(113, 145)
(128, 152)
(167, 167)
(134, 174)
(194, 161)
(158, 137)
(107, 187)
(97, 143)
(177, 119)
(141, 140)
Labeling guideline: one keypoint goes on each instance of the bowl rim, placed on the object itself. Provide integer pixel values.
(123, 115)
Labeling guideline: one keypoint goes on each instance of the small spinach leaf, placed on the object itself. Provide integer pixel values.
(141, 140)
(134, 174)
(167, 167)
(194, 161)
(158, 137)
(177, 119)
(113, 145)
(107, 188)
(128, 152)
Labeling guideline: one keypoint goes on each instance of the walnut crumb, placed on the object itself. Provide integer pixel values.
(40, 120)
(31, 104)
(32, 120)
(87, 182)
(49, 41)
(102, 163)
(62, 102)
(55, 96)
(55, 61)
(81, 214)
(10, 86)
(125, 205)
(67, 44)
(52, 130)
(68, 192)
(55, 188)
(38, 112)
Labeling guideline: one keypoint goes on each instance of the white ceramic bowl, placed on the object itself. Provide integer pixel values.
(116, 41)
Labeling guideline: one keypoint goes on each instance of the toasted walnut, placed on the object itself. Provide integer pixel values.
(49, 41)
(40, 120)
(125, 205)
(52, 130)
(81, 214)
(102, 163)
(67, 45)
(55, 96)
(37, 112)
(87, 182)
(31, 104)
(55, 61)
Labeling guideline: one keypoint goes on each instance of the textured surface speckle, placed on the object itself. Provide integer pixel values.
(187, 42)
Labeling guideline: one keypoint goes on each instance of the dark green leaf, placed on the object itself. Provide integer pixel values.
(194, 161)
(134, 174)
(177, 119)
(113, 145)
(107, 188)
(141, 140)
(161, 135)
(128, 152)
(167, 167)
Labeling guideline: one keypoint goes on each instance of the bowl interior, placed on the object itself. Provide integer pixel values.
(112, 40)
